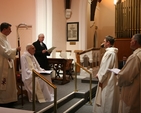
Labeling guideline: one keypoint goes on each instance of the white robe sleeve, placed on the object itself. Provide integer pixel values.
(26, 72)
(128, 74)
(6, 50)
(108, 62)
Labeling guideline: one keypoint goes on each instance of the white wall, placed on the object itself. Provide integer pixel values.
(16, 12)
(75, 7)
(58, 25)
(79, 11)
(24, 11)
(106, 19)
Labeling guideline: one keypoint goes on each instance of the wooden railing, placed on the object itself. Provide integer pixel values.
(36, 74)
(78, 65)
(90, 59)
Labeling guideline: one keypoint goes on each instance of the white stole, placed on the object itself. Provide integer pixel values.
(38, 90)
(5, 72)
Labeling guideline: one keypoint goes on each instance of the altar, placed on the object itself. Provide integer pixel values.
(58, 64)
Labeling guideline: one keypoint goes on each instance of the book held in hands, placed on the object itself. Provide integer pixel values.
(51, 49)
(114, 70)
(45, 72)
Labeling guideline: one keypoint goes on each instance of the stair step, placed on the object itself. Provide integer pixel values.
(64, 94)
(60, 102)
(87, 80)
(71, 106)
(71, 102)
(87, 106)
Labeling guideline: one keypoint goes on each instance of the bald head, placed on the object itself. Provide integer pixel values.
(30, 48)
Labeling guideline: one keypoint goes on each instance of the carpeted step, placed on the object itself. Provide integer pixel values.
(87, 80)
(71, 106)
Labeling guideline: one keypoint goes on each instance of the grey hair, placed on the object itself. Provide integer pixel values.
(40, 35)
(137, 37)
(28, 46)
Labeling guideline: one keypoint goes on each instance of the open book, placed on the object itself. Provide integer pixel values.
(115, 70)
(51, 49)
(45, 72)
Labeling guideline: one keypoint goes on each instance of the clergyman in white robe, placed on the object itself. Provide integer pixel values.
(8, 89)
(29, 62)
(107, 94)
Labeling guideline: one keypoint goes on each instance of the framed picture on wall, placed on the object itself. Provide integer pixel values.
(73, 31)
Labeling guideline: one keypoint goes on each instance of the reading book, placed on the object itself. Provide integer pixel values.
(115, 70)
(51, 49)
(45, 72)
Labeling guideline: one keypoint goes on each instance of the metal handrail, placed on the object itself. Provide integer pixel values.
(77, 64)
(36, 74)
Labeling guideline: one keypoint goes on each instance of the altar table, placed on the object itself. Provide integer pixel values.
(60, 64)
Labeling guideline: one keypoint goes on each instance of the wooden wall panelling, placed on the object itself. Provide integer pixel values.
(123, 45)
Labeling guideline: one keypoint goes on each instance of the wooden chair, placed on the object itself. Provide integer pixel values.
(19, 82)
(69, 68)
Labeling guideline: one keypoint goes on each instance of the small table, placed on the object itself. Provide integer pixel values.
(60, 64)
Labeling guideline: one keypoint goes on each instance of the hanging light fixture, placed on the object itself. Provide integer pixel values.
(90, 1)
(115, 2)
(118, 1)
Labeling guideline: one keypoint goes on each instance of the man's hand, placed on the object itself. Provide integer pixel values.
(100, 84)
(18, 49)
(96, 76)
(44, 51)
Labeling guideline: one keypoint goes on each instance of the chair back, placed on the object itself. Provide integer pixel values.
(69, 64)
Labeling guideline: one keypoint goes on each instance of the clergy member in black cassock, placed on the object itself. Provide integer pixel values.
(41, 52)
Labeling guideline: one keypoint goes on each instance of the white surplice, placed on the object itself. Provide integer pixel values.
(8, 89)
(107, 97)
(29, 62)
